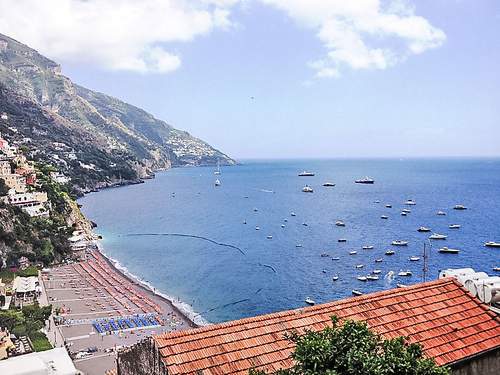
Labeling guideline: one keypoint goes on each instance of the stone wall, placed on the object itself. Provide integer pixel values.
(487, 364)
(142, 358)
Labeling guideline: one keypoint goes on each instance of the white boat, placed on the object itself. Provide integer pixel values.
(401, 285)
(360, 265)
(328, 184)
(307, 189)
(390, 252)
(357, 292)
(447, 250)
(306, 174)
(454, 226)
(324, 271)
(376, 272)
(379, 260)
(365, 180)
(335, 278)
(423, 229)
(353, 252)
(384, 217)
(293, 214)
(269, 237)
(459, 207)
(399, 243)
(407, 210)
(403, 213)
(410, 202)
(335, 258)
(324, 255)
(298, 245)
(304, 224)
(496, 269)
(342, 240)
(309, 301)
(340, 223)
(437, 236)
(414, 259)
(492, 244)
(255, 210)
(217, 182)
(217, 171)
(377, 201)
(388, 205)
(404, 273)
(361, 278)
(370, 247)
(282, 225)
(257, 228)
(441, 213)
(372, 277)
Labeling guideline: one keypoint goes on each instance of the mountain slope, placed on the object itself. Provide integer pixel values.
(106, 139)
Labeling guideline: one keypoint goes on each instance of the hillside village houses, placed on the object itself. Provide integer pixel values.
(20, 177)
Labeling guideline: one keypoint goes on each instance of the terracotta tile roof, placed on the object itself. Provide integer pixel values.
(441, 315)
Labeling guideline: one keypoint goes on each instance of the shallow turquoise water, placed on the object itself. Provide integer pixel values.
(221, 283)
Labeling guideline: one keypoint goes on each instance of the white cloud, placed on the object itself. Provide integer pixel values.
(115, 34)
(362, 34)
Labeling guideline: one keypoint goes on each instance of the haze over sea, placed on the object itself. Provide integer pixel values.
(223, 283)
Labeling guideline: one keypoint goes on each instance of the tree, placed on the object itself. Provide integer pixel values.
(352, 348)
(4, 189)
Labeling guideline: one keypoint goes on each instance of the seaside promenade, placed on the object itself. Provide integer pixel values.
(99, 310)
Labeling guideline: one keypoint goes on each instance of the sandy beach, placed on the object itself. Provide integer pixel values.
(94, 290)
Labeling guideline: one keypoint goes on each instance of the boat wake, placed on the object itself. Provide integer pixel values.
(189, 236)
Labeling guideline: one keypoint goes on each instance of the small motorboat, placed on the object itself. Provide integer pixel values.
(340, 223)
(496, 269)
(377, 201)
(379, 260)
(306, 174)
(423, 229)
(388, 205)
(307, 189)
(369, 247)
(399, 243)
(305, 224)
(335, 258)
(360, 265)
(257, 228)
(414, 259)
(365, 180)
(404, 273)
(390, 252)
(492, 244)
(282, 225)
(293, 214)
(324, 271)
(298, 245)
(217, 182)
(407, 210)
(410, 202)
(376, 272)
(342, 240)
(309, 301)
(384, 217)
(447, 250)
(403, 213)
(459, 207)
(255, 210)
(454, 226)
(371, 277)
(441, 213)
(324, 255)
(354, 252)
(328, 184)
(335, 278)
(269, 237)
(356, 292)
(361, 278)
(401, 285)
(437, 236)
(244, 221)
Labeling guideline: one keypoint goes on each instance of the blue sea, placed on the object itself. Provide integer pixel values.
(255, 275)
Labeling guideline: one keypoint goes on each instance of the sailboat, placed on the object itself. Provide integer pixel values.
(217, 182)
(217, 171)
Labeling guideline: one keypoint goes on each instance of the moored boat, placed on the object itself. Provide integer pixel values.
(307, 189)
(447, 250)
(423, 229)
(361, 278)
(492, 244)
(340, 223)
(365, 180)
(399, 243)
(404, 273)
(388, 205)
(384, 217)
(390, 252)
(369, 247)
(342, 240)
(414, 259)
(372, 277)
(357, 292)
(353, 252)
(217, 182)
(360, 265)
(437, 236)
(306, 174)
(328, 184)
(335, 278)
(376, 272)
(379, 260)
(459, 207)
(309, 301)
(454, 226)
(410, 202)
(441, 213)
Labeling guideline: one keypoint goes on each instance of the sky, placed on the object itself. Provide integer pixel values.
(288, 78)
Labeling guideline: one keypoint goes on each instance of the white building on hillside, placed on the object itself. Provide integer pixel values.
(50, 362)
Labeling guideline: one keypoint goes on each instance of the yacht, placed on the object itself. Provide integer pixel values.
(401, 285)
(410, 202)
(306, 174)
(376, 272)
(293, 214)
(269, 237)
(414, 259)
(335, 278)
(217, 182)
(437, 236)
(497, 269)
(328, 184)
(282, 225)
(459, 207)
(390, 252)
(403, 213)
(379, 260)
(446, 250)
(307, 189)
(399, 243)
(257, 228)
(342, 240)
(441, 213)
(354, 252)
(298, 245)
(388, 205)
(377, 201)
(360, 265)
(369, 247)
(335, 258)
(492, 244)
(454, 226)
(424, 229)
(372, 277)
(309, 301)
(407, 210)
(340, 223)
(404, 273)
(361, 278)
(365, 180)
(356, 292)
(384, 217)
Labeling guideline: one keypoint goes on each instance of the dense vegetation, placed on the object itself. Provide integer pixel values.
(352, 348)
(28, 322)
